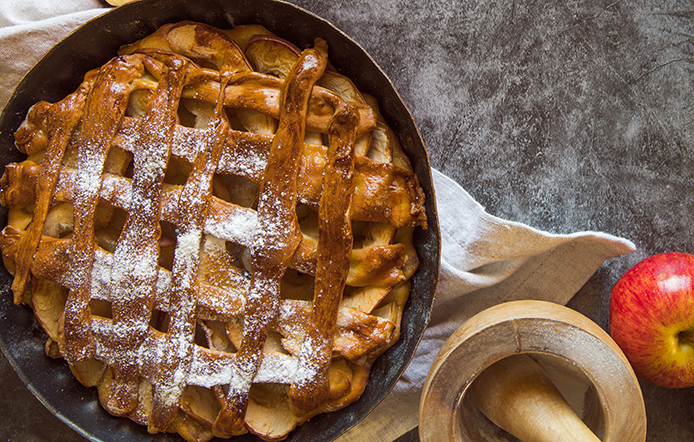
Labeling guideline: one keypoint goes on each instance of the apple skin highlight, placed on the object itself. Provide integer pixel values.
(652, 318)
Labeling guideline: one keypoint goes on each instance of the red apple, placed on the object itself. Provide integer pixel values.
(652, 318)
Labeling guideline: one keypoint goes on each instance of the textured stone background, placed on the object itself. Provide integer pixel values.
(564, 115)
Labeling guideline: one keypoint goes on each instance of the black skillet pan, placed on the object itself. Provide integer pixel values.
(61, 71)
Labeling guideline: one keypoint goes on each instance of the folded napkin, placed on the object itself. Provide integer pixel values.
(485, 260)
(28, 29)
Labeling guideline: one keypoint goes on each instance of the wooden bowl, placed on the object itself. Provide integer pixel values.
(580, 358)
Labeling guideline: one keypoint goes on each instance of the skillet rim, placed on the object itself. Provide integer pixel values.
(87, 48)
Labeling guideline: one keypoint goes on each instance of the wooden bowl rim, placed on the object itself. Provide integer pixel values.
(475, 345)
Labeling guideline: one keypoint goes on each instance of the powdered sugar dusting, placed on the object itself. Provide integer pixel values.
(187, 255)
(239, 229)
(309, 365)
(213, 284)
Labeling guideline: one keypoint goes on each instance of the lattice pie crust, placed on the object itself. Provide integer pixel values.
(215, 230)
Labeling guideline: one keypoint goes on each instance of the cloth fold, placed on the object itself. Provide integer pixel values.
(485, 260)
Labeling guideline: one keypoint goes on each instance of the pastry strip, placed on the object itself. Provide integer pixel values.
(261, 93)
(277, 236)
(134, 272)
(246, 155)
(69, 113)
(333, 263)
(193, 206)
(105, 108)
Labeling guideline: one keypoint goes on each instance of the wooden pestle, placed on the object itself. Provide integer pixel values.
(517, 395)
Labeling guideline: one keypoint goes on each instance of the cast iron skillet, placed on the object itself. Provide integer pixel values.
(61, 71)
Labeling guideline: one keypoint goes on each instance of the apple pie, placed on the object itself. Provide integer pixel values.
(215, 230)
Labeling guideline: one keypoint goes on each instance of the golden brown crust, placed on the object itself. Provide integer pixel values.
(217, 250)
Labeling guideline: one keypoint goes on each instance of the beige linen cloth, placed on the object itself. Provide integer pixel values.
(485, 260)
